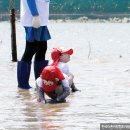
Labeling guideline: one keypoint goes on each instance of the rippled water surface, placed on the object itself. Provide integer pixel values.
(101, 65)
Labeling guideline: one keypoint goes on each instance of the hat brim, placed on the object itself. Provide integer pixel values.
(69, 51)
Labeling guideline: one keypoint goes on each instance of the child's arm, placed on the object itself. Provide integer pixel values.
(40, 91)
(66, 91)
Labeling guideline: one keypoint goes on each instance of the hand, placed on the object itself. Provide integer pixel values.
(54, 101)
(43, 101)
(36, 22)
(61, 101)
(51, 101)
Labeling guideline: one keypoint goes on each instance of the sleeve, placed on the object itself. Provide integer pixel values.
(64, 67)
(40, 91)
(32, 7)
(39, 82)
(66, 90)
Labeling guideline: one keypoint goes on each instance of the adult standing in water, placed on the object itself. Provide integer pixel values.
(34, 17)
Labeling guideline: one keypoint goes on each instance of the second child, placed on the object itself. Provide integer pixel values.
(61, 57)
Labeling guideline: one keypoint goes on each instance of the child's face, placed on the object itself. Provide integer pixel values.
(65, 57)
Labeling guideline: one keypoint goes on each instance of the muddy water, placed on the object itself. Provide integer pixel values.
(101, 65)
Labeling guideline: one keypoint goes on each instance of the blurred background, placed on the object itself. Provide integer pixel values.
(71, 9)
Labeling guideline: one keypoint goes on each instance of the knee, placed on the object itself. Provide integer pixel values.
(41, 51)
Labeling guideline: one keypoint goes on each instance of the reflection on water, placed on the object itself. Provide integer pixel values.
(103, 79)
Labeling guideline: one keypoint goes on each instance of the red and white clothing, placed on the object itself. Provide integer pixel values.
(48, 82)
(64, 68)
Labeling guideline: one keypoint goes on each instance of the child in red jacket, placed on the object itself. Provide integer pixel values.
(54, 84)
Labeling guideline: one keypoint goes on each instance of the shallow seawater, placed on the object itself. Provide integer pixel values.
(101, 65)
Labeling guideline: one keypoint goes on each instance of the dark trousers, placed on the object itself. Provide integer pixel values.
(56, 93)
(38, 48)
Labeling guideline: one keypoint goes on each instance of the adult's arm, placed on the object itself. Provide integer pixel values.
(33, 8)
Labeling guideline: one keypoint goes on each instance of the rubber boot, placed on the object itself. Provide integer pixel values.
(38, 67)
(23, 74)
(73, 88)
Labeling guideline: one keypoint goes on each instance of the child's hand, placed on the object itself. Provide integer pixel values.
(43, 101)
(36, 22)
(51, 101)
(54, 101)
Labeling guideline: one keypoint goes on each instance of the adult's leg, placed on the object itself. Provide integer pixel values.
(24, 66)
(30, 50)
(40, 61)
(41, 50)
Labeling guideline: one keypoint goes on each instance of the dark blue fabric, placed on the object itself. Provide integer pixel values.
(32, 7)
(37, 34)
(37, 48)
(23, 74)
(38, 67)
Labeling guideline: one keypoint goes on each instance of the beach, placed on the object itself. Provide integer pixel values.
(100, 63)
